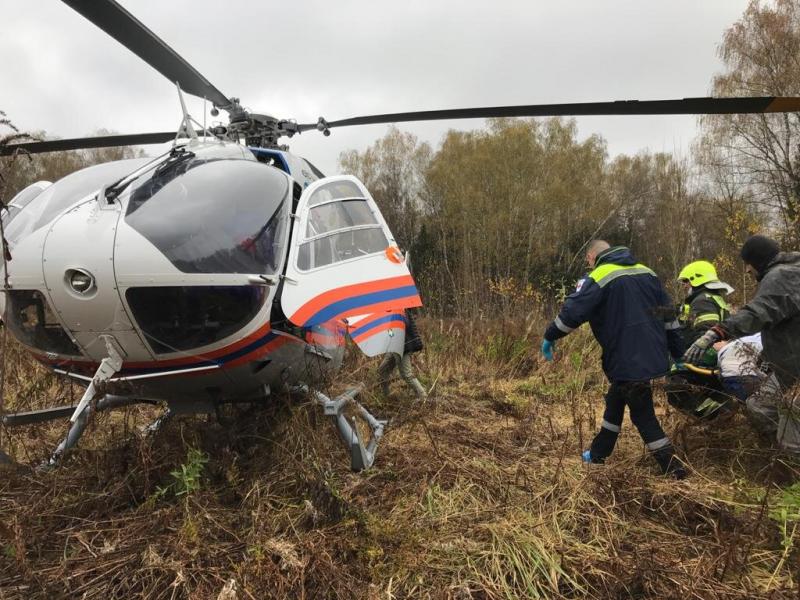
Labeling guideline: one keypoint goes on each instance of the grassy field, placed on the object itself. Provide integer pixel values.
(477, 493)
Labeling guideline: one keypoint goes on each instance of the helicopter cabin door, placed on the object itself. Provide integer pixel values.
(345, 268)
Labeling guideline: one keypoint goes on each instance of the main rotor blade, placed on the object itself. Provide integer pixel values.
(685, 106)
(117, 22)
(106, 141)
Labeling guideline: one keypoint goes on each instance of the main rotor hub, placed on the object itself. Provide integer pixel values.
(259, 130)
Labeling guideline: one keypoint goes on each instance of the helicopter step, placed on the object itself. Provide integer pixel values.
(361, 456)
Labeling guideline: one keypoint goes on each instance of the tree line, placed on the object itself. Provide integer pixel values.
(498, 216)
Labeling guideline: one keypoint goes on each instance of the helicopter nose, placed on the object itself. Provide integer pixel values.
(79, 277)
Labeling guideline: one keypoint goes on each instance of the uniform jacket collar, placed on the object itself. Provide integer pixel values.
(617, 255)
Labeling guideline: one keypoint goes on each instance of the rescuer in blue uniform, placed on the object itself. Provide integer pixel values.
(632, 318)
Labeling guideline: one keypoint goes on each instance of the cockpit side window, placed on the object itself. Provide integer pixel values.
(333, 216)
(340, 246)
(22, 199)
(340, 226)
(185, 317)
(333, 190)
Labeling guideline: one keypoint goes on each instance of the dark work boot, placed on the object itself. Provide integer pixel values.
(669, 463)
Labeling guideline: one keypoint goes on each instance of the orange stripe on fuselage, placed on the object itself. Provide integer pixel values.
(313, 306)
(373, 317)
(386, 306)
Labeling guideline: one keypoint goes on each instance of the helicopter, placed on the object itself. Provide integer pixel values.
(225, 269)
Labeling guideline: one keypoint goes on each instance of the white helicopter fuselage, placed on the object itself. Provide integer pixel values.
(211, 275)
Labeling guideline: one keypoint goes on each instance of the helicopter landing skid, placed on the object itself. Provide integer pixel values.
(361, 456)
(107, 402)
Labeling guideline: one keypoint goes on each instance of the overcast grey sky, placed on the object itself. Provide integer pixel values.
(303, 59)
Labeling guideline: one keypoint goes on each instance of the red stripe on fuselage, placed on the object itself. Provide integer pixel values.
(258, 352)
(209, 356)
(87, 366)
(378, 328)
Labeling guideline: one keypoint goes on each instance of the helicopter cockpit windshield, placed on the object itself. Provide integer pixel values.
(213, 215)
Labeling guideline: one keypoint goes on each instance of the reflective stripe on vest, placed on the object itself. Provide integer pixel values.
(706, 318)
(606, 273)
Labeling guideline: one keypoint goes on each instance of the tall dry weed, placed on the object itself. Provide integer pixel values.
(477, 493)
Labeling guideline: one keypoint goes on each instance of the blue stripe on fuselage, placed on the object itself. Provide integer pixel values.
(333, 310)
(220, 361)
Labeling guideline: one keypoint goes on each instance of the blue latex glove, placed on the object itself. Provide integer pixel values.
(679, 365)
(547, 349)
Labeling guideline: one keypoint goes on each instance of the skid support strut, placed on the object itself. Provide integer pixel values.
(80, 418)
(361, 456)
(107, 402)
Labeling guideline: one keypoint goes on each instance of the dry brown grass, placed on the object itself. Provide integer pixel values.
(477, 493)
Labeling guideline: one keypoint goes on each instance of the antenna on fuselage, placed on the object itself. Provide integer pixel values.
(186, 128)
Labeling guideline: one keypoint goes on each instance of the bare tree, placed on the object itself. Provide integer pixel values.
(757, 157)
(12, 136)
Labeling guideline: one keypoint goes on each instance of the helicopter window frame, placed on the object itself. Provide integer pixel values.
(333, 232)
(319, 174)
(332, 185)
(375, 221)
(339, 250)
(302, 253)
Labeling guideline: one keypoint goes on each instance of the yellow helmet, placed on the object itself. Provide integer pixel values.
(698, 273)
